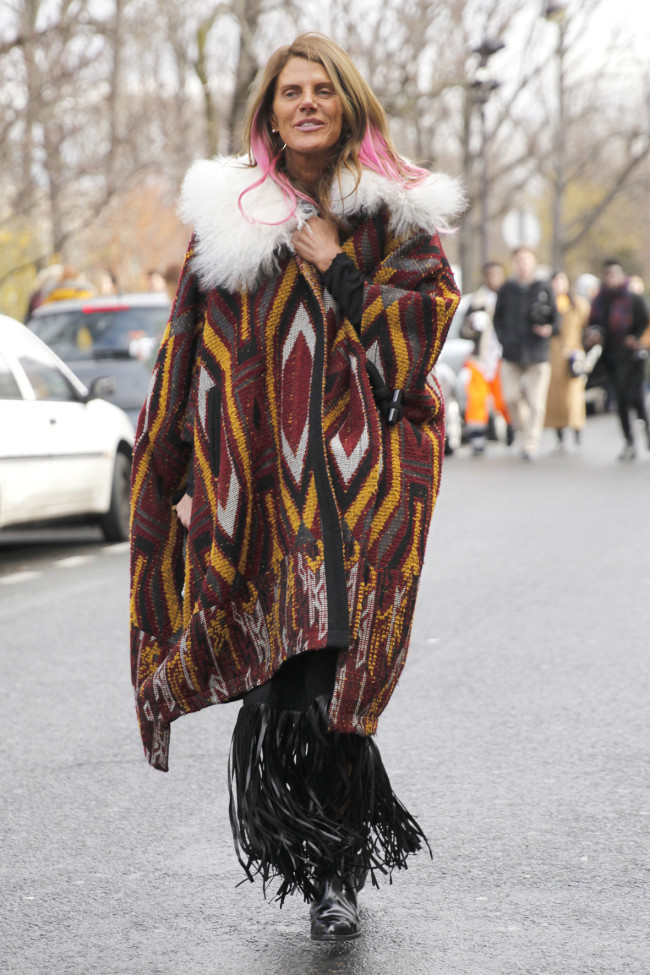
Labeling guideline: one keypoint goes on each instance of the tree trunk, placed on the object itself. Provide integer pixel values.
(114, 134)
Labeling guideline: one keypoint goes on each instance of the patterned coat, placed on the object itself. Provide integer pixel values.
(310, 513)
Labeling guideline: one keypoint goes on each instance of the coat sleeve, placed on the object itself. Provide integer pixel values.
(596, 314)
(556, 317)
(165, 423)
(409, 300)
(639, 316)
(161, 458)
(499, 314)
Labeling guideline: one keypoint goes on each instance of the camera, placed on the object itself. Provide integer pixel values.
(541, 310)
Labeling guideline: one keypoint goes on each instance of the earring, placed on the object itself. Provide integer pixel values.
(277, 132)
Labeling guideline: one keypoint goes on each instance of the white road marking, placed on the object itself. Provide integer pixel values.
(18, 577)
(117, 548)
(70, 562)
(73, 561)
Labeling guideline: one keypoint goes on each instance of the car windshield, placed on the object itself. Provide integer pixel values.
(84, 333)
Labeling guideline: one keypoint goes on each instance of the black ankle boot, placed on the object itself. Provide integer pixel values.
(335, 917)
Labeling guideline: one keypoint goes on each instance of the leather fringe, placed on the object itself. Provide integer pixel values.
(306, 804)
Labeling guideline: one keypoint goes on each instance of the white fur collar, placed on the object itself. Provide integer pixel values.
(233, 253)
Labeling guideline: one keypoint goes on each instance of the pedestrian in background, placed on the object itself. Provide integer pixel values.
(291, 390)
(71, 284)
(565, 405)
(156, 280)
(636, 284)
(619, 319)
(587, 285)
(525, 318)
(172, 275)
(483, 389)
(105, 281)
(46, 280)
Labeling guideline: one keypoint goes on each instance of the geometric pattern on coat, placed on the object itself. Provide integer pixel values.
(310, 514)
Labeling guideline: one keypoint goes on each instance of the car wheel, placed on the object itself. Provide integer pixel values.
(116, 523)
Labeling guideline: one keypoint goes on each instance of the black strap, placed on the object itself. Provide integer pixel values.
(388, 401)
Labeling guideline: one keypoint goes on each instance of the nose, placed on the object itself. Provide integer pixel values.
(308, 99)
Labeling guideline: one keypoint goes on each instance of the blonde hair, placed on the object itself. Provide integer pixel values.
(364, 141)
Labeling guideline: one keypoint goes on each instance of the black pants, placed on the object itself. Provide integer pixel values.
(627, 374)
(298, 682)
(307, 803)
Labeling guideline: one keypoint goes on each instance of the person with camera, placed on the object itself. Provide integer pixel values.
(525, 318)
(618, 319)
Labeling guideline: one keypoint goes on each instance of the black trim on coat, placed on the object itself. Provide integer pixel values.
(338, 616)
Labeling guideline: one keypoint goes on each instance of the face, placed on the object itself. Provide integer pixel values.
(307, 112)
(494, 277)
(525, 264)
(156, 281)
(636, 284)
(560, 283)
(613, 276)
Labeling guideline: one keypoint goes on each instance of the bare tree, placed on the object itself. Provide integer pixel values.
(101, 102)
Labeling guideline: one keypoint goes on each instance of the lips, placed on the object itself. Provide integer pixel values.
(309, 125)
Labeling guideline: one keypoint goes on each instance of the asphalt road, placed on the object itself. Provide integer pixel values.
(518, 736)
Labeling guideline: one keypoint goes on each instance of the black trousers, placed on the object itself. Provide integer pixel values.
(307, 803)
(627, 374)
(298, 682)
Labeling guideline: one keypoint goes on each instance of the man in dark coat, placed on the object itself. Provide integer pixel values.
(525, 318)
(618, 319)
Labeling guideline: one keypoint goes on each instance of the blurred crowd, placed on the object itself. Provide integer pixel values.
(58, 282)
(538, 342)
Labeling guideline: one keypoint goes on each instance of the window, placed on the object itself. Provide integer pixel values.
(8, 385)
(47, 380)
(107, 333)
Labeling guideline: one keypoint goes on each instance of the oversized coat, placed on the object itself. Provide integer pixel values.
(310, 512)
(565, 405)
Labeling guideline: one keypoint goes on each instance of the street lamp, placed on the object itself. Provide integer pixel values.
(483, 86)
(555, 11)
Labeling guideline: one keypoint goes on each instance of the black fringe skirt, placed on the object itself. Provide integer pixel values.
(306, 803)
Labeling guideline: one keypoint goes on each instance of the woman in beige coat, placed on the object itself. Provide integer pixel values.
(565, 406)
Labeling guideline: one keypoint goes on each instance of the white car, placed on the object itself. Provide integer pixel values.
(64, 453)
(447, 369)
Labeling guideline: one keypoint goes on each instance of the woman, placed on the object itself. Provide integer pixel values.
(565, 404)
(292, 418)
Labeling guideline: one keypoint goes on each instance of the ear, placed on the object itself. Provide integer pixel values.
(273, 120)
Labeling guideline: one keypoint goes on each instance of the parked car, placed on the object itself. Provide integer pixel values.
(447, 369)
(456, 350)
(117, 335)
(64, 453)
(453, 420)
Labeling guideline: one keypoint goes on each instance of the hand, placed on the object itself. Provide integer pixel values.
(184, 511)
(544, 331)
(631, 342)
(593, 336)
(317, 242)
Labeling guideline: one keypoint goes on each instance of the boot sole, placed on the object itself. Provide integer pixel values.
(336, 937)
